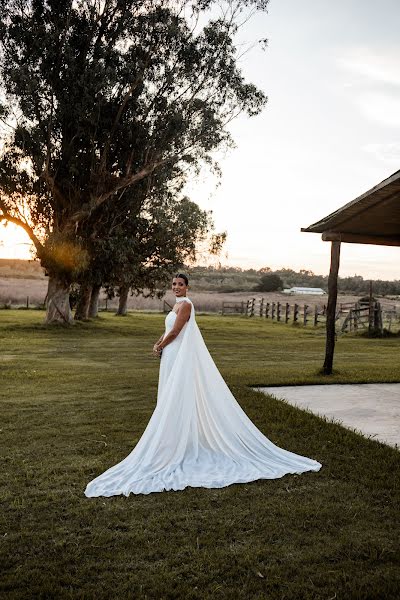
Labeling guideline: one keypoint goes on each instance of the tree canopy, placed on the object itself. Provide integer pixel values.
(101, 96)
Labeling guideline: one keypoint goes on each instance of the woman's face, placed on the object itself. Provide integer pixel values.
(179, 287)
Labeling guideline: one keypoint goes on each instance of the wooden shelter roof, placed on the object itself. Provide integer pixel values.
(372, 218)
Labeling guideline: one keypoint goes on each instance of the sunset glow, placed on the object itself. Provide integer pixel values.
(14, 242)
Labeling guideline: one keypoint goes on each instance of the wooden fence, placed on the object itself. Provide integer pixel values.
(276, 311)
(372, 316)
(352, 316)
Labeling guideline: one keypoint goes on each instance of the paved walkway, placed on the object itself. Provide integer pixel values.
(372, 408)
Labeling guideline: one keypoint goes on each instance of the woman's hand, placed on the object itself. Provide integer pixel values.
(157, 350)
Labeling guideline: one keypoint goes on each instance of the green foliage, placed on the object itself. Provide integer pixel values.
(110, 95)
(80, 398)
(270, 282)
(223, 279)
(145, 249)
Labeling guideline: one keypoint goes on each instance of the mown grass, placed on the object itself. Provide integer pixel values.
(75, 401)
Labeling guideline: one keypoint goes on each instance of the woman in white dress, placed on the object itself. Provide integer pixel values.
(198, 435)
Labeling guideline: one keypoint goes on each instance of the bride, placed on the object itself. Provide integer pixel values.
(198, 435)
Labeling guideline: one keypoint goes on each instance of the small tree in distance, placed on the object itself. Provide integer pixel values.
(269, 283)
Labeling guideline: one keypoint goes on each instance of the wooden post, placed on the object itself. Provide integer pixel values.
(380, 318)
(378, 323)
(267, 310)
(253, 305)
(331, 309)
(316, 315)
(376, 316)
(261, 307)
(273, 311)
(287, 312)
(295, 313)
(278, 311)
(27, 302)
(371, 311)
(305, 314)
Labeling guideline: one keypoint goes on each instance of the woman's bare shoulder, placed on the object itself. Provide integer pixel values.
(185, 307)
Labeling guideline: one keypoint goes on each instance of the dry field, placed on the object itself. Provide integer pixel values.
(15, 291)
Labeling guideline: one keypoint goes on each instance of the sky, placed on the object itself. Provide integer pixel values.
(330, 131)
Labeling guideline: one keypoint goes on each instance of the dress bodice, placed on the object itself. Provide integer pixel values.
(170, 320)
(171, 316)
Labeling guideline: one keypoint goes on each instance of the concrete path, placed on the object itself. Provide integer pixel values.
(372, 408)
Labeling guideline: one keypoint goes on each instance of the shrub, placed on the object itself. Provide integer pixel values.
(269, 283)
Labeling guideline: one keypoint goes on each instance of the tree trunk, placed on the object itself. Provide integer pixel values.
(94, 302)
(331, 309)
(58, 309)
(123, 301)
(82, 308)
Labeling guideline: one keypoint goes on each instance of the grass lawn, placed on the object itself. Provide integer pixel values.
(75, 401)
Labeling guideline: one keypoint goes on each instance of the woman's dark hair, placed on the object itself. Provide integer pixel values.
(182, 276)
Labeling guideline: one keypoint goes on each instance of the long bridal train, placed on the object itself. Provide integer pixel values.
(198, 435)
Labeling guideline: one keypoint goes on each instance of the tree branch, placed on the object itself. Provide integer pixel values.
(122, 183)
(5, 216)
(128, 94)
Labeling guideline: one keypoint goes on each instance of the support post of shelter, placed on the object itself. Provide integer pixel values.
(331, 309)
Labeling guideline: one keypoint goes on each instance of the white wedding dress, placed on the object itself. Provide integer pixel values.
(198, 435)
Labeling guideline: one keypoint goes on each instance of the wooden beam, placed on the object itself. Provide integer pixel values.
(381, 194)
(331, 308)
(359, 238)
(371, 200)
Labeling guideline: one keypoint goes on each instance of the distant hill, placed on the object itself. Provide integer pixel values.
(21, 269)
(235, 279)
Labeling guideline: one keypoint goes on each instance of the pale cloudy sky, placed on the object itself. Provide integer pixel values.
(330, 131)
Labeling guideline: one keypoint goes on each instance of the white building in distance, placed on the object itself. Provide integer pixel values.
(305, 290)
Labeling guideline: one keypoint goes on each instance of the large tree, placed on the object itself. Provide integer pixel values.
(99, 95)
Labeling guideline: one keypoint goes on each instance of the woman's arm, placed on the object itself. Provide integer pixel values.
(156, 349)
(182, 317)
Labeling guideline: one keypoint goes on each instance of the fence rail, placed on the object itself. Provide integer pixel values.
(233, 308)
(276, 311)
(352, 316)
(373, 316)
